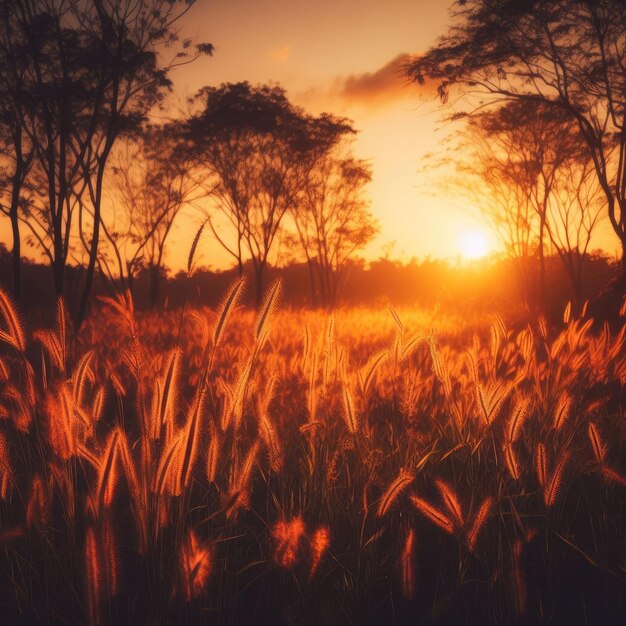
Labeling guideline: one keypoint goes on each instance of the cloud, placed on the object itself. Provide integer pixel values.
(372, 90)
(282, 54)
(385, 84)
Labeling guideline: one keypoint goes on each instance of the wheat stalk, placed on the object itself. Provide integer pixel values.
(268, 306)
(82, 374)
(14, 335)
(169, 393)
(597, 445)
(516, 420)
(107, 474)
(320, 542)
(518, 579)
(369, 371)
(7, 481)
(349, 414)
(213, 454)
(479, 522)
(510, 459)
(612, 475)
(93, 577)
(403, 480)
(451, 500)
(288, 536)
(166, 469)
(433, 514)
(408, 566)
(38, 510)
(191, 439)
(562, 411)
(540, 464)
(552, 489)
(196, 564)
(271, 440)
(194, 247)
(226, 307)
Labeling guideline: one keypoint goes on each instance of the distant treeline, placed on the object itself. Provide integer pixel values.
(488, 285)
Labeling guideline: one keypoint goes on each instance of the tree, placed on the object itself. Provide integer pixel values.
(92, 74)
(536, 151)
(332, 221)
(16, 149)
(497, 182)
(17, 156)
(569, 55)
(574, 213)
(152, 179)
(258, 146)
(530, 173)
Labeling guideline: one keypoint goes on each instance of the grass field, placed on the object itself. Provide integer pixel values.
(293, 467)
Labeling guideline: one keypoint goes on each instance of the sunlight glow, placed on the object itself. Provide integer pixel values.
(474, 244)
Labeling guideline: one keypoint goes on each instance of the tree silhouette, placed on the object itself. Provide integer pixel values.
(534, 157)
(258, 146)
(152, 179)
(91, 73)
(16, 148)
(567, 55)
(332, 221)
(575, 211)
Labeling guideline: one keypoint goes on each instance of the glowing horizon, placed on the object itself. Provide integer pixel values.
(344, 58)
(304, 50)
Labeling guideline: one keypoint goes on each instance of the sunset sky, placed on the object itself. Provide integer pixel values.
(343, 56)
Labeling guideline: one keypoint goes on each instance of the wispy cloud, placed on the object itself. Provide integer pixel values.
(378, 87)
(373, 90)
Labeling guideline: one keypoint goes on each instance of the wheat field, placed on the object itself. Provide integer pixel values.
(296, 467)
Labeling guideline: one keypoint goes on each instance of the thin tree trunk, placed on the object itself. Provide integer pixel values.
(259, 270)
(59, 273)
(623, 273)
(155, 275)
(239, 257)
(542, 265)
(21, 168)
(91, 268)
(579, 280)
(93, 252)
(17, 245)
(309, 263)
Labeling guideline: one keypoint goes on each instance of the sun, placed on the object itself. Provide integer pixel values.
(474, 244)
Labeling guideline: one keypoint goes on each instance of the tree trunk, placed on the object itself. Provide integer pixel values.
(527, 293)
(324, 295)
(58, 271)
(239, 257)
(18, 179)
(542, 266)
(622, 278)
(309, 263)
(91, 268)
(16, 251)
(259, 270)
(130, 280)
(579, 282)
(332, 286)
(155, 276)
(95, 238)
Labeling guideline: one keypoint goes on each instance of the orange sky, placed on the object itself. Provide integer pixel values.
(341, 56)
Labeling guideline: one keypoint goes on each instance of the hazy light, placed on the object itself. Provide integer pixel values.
(474, 244)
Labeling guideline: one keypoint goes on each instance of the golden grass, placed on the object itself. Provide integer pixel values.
(277, 430)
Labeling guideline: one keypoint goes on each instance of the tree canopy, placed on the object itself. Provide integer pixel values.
(566, 54)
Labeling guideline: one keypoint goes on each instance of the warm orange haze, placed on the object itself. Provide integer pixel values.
(312, 313)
